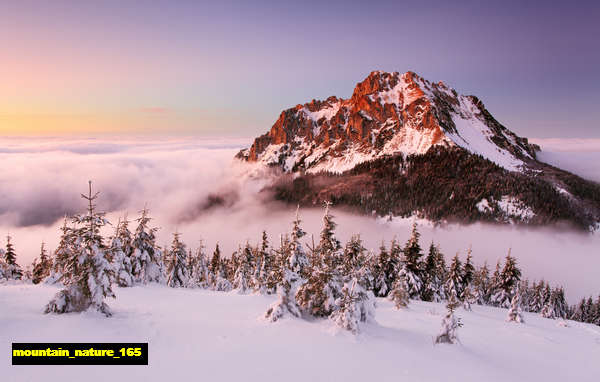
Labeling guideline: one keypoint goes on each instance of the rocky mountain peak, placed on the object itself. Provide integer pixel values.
(388, 114)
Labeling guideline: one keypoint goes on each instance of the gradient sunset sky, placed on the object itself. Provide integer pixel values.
(230, 67)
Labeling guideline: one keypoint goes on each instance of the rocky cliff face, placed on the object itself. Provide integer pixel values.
(388, 114)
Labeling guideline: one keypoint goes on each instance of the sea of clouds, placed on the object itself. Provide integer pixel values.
(195, 187)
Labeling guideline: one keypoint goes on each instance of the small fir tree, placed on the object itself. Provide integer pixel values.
(286, 301)
(434, 275)
(242, 275)
(218, 272)
(454, 281)
(481, 283)
(177, 268)
(514, 313)
(345, 314)
(450, 324)
(12, 270)
(507, 283)
(399, 294)
(468, 269)
(121, 251)
(41, 266)
(468, 297)
(63, 255)
(298, 260)
(199, 268)
(378, 269)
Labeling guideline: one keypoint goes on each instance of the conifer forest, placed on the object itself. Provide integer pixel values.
(310, 277)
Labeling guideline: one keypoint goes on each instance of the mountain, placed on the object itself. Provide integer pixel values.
(402, 145)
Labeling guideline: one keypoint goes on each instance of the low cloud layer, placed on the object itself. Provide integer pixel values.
(579, 156)
(194, 186)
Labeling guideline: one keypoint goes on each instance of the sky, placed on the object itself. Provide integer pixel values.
(229, 68)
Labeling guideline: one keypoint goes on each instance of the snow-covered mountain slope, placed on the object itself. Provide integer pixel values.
(389, 113)
(198, 334)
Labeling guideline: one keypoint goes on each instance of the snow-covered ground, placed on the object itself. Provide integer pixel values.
(205, 336)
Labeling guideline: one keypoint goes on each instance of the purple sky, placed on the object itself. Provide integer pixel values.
(190, 67)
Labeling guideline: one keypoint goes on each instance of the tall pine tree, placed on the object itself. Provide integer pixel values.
(88, 275)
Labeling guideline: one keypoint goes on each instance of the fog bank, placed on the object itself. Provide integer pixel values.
(40, 181)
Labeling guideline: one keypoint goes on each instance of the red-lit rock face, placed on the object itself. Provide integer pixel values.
(388, 113)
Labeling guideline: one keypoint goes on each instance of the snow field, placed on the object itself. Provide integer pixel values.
(205, 335)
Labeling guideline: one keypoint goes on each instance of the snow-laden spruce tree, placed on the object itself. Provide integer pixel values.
(525, 293)
(495, 283)
(354, 255)
(328, 249)
(286, 297)
(121, 251)
(434, 275)
(394, 264)
(88, 274)
(267, 279)
(411, 267)
(507, 283)
(580, 311)
(298, 260)
(481, 283)
(514, 313)
(64, 256)
(378, 269)
(41, 266)
(450, 323)
(454, 280)
(177, 268)
(199, 268)
(468, 297)
(399, 293)
(357, 277)
(356, 304)
(147, 257)
(12, 270)
(218, 272)
(294, 267)
(555, 306)
(324, 285)
(244, 269)
(536, 297)
(596, 313)
(345, 315)
(258, 283)
(27, 273)
(468, 269)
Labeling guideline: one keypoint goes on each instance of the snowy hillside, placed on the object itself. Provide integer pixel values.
(208, 335)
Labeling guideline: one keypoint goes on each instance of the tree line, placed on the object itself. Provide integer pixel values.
(324, 279)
